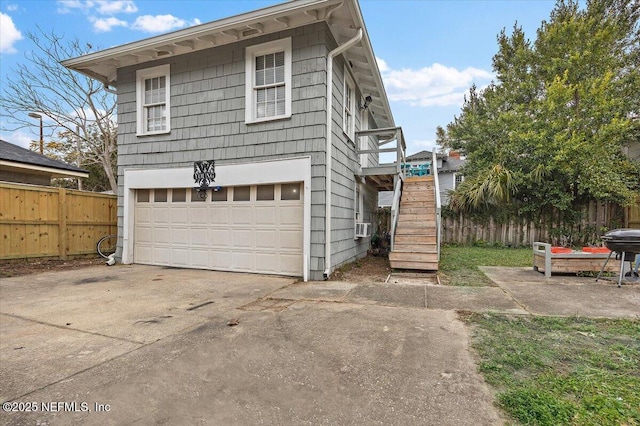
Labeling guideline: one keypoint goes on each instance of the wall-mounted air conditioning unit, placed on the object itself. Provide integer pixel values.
(363, 230)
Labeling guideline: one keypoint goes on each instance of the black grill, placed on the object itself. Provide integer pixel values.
(626, 242)
(623, 240)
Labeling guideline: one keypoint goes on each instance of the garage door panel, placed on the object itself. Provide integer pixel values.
(266, 239)
(162, 255)
(220, 259)
(265, 215)
(219, 215)
(242, 215)
(290, 264)
(199, 215)
(180, 256)
(179, 215)
(161, 235)
(242, 261)
(143, 254)
(291, 240)
(266, 262)
(200, 237)
(242, 239)
(180, 237)
(160, 215)
(143, 234)
(143, 215)
(291, 216)
(220, 238)
(200, 258)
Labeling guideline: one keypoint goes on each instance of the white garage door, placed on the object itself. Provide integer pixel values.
(244, 228)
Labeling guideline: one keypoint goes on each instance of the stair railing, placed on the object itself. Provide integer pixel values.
(395, 210)
(434, 170)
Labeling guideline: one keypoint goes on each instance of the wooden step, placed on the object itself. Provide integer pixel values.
(418, 196)
(413, 179)
(416, 231)
(413, 203)
(415, 217)
(426, 211)
(411, 256)
(424, 266)
(414, 239)
(415, 248)
(417, 224)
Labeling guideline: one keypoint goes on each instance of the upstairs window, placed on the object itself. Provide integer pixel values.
(153, 90)
(349, 106)
(268, 85)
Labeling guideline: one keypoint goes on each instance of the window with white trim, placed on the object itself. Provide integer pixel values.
(349, 106)
(153, 93)
(457, 180)
(268, 81)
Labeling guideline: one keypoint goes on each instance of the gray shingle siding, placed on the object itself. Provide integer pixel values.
(208, 121)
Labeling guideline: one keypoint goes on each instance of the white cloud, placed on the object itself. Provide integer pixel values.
(18, 138)
(109, 7)
(12, 7)
(382, 64)
(158, 23)
(68, 6)
(9, 34)
(103, 25)
(435, 85)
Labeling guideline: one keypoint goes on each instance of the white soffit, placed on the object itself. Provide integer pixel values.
(342, 16)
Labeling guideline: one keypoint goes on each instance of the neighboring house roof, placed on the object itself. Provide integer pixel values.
(423, 156)
(451, 164)
(16, 157)
(343, 17)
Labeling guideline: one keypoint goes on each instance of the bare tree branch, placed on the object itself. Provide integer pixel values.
(69, 102)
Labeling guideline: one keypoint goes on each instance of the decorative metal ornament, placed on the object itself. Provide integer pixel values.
(204, 172)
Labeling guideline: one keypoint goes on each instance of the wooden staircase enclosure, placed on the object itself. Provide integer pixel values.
(415, 242)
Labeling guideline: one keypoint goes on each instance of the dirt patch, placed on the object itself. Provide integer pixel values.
(21, 267)
(366, 270)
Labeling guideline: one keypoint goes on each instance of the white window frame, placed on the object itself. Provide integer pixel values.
(141, 76)
(455, 180)
(251, 53)
(349, 106)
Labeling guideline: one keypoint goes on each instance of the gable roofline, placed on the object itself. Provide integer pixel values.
(344, 18)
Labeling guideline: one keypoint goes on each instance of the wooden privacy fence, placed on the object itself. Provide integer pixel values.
(40, 221)
(460, 229)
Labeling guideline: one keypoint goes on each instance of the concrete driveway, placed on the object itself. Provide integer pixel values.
(148, 345)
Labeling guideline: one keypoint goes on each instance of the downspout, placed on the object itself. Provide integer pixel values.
(327, 227)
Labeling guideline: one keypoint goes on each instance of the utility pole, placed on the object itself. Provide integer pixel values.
(34, 115)
(79, 154)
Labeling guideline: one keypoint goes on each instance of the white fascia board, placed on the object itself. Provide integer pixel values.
(366, 45)
(273, 12)
(32, 167)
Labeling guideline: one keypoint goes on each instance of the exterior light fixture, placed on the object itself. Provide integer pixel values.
(38, 116)
(367, 102)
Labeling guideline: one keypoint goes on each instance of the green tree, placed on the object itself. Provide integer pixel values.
(549, 132)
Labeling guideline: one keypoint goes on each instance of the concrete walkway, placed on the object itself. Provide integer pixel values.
(517, 291)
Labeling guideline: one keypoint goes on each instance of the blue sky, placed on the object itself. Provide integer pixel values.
(430, 52)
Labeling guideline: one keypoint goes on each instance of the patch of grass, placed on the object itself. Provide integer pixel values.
(459, 264)
(561, 371)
